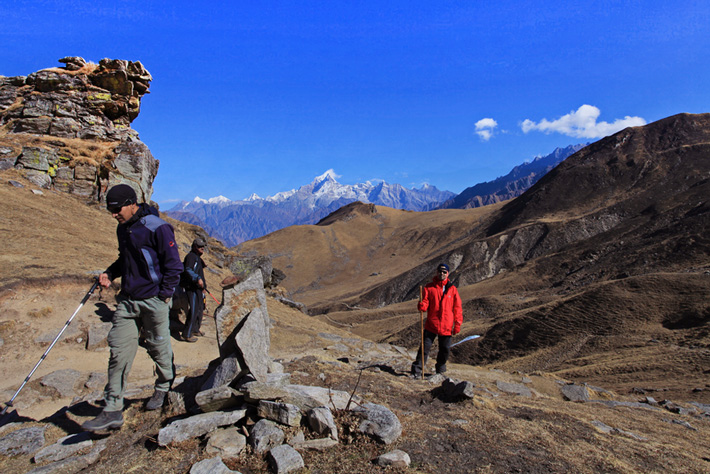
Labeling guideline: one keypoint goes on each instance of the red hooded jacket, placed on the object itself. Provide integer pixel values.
(444, 313)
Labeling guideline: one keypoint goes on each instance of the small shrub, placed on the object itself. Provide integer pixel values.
(40, 313)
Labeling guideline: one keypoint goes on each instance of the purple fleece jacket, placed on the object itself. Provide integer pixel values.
(148, 260)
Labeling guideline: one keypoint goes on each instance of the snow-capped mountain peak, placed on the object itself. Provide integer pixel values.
(236, 221)
(212, 200)
(328, 175)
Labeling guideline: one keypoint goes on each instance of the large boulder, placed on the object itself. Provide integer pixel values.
(237, 302)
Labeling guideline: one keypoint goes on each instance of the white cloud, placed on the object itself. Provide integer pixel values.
(582, 123)
(485, 128)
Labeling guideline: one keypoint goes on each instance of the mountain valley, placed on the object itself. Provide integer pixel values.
(590, 292)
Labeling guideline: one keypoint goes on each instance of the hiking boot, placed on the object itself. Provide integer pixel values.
(106, 420)
(191, 339)
(441, 369)
(156, 401)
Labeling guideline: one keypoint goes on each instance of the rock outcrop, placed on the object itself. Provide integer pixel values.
(70, 128)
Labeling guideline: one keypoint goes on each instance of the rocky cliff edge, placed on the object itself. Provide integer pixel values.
(69, 128)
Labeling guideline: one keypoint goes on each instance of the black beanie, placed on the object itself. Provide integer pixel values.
(120, 195)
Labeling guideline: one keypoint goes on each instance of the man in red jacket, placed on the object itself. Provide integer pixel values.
(441, 301)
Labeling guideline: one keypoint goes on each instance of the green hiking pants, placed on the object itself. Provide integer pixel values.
(131, 316)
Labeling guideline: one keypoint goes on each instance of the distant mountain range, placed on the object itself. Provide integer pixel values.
(234, 222)
(515, 183)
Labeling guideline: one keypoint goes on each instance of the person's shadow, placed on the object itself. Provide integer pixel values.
(104, 312)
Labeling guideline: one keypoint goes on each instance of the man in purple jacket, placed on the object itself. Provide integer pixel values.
(149, 266)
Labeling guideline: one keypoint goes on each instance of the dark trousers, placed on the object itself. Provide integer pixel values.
(194, 320)
(441, 357)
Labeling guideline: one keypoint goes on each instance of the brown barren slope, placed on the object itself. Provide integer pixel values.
(616, 297)
(607, 254)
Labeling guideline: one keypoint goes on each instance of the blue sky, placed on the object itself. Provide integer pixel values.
(261, 97)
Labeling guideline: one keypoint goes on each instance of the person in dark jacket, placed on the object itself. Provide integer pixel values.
(149, 266)
(441, 301)
(195, 285)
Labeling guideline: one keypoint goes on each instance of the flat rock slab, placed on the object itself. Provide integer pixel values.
(252, 341)
(63, 381)
(307, 397)
(64, 448)
(218, 398)
(198, 425)
(320, 444)
(226, 442)
(23, 441)
(514, 388)
(74, 463)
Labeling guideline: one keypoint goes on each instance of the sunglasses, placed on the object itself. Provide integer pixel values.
(443, 271)
(115, 209)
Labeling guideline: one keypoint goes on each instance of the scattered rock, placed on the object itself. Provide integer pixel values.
(96, 381)
(514, 388)
(454, 390)
(321, 421)
(575, 393)
(226, 442)
(685, 424)
(313, 444)
(98, 336)
(229, 282)
(615, 431)
(265, 435)
(379, 422)
(284, 413)
(211, 466)
(396, 458)
(285, 459)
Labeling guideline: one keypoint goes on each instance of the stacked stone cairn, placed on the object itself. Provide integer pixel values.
(50, 113)
(246, 398)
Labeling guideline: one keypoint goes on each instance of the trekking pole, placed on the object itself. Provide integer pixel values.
(216, 300)
(421, 319)
(66, 325)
